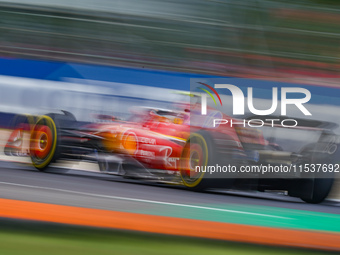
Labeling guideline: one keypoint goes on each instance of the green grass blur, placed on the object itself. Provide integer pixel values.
(27, 238)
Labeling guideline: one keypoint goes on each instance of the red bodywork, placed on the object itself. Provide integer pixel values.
(156, 138)
(153, 137)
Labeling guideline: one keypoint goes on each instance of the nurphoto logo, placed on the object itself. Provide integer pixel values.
(239, 103)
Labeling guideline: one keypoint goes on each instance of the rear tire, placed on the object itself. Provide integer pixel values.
(43, 142)
(319, 184)
(321, 189)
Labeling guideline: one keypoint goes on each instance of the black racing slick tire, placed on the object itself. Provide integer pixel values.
(317, 185)
(320, 190)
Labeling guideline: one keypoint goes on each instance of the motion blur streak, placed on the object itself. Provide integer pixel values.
(247, 38)
(107, 83)
(167, 225)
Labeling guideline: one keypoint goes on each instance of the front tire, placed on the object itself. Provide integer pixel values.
(197, 154)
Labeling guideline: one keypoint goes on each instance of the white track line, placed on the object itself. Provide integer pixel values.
(145, 201)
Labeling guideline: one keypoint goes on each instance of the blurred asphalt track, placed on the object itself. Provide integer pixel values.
(92, 190)
(87, 198)
(66, 194)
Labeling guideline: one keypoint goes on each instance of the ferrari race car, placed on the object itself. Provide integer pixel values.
(187, 148)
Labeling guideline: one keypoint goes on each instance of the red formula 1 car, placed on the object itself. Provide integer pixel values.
(179, 146)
